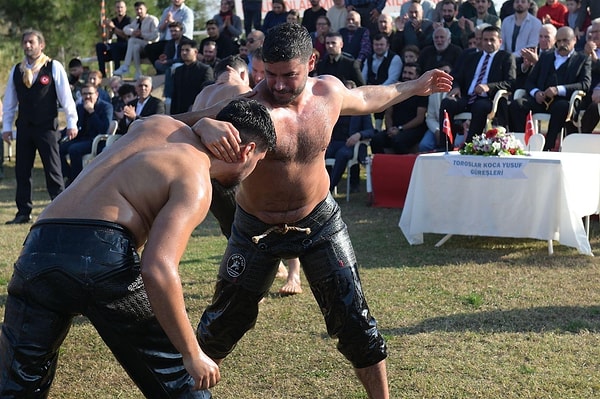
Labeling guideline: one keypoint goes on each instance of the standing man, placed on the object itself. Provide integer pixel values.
(310, 16)
(285, 208)
(151, 192)
(481, 75)
(337, 15)
(252, 15)
(369, 11)
(115, 50)
(35, 86)
(189, 78)
(520, 30)
(336, 63)
(94, 116)
(553, 12)
(551, 83)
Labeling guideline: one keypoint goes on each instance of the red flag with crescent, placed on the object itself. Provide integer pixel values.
(446, 127)
(529, 127)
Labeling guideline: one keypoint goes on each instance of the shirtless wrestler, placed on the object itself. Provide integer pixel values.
(285, 209)
(151, 189)
(232, 80)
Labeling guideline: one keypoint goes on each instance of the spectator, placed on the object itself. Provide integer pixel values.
(144, 105)
(369, 11)
(114, 50)
(356, 39)
(553, 12)
(417, 30)
(385, 24)
(550, 84)
(337, 15)
(142, 31)
(230, 25)
(35, 87)
(590, 102)
(348, 131)
(508, 9)
(252, 10)
(318, 37)
(243, 51)
(482, 74)
(312, 14)
(594, 12)
(293, 17)
(529, 57)
(404, 122)
(428, 9)
(189, 78)
(95, 78)
(93, 117)
(276, 16)
(410, 53)
(468, 9)
(382, 68)
(257, 68)
(225, 45)
(209, 54)
(520, 30)
(574, 11)
(449, 21)
(171, 51)
(127, 93)
(482, 17)
(176, 12)
(442, 50)
(254, 40)
(77, 78)
(337, 64)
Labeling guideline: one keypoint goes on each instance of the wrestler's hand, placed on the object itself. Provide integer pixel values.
(203, 370)
(433, 81)
(221, 138)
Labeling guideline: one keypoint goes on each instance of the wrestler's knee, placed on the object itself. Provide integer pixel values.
(348, 318)
(231, 314)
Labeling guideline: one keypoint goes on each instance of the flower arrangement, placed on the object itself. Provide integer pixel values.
(495, 142)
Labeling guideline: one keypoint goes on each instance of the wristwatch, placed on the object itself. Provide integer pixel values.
(400, 127)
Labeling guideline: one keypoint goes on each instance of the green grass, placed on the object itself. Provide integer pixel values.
(476, 318)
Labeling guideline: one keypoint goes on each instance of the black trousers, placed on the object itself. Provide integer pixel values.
(69, 267)
(29, 140)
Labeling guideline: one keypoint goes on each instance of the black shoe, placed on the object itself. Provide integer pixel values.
(20, 219)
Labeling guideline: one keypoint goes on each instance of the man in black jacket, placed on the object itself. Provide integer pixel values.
(337, 63)
(551, 82)
(482, 74)
(189, 78)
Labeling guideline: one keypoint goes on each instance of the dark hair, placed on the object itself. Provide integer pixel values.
(139, 3)
(211, 22)
(176, 24)
(190, 42)
(413, 48)
(413, 65)
(334, 34)
(492, 28)
(379, 35)
(125, 89)
(234, 61)
(75, 62)
(286, 42)
(252, 120)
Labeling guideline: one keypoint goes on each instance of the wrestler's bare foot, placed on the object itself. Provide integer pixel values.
(292, 286)
(282, 272)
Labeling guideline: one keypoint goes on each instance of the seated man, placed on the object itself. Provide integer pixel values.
(133, 195)
(144, 105)
(115, 50)
(348, 131)
(93, 117)
(127, 95)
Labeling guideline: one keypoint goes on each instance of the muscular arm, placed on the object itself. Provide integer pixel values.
(368, 99)
(183, 211)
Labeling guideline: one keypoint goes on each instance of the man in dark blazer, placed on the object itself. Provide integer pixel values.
(482, 74)
(144, 105)
(189, 79)
(337, 63)
(551, 82)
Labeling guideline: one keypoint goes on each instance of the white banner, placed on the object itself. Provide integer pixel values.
(482, 166)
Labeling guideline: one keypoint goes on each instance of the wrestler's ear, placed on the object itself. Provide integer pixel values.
(246, 151)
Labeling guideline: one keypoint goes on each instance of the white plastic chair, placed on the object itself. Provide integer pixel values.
(536, 141)
(351, 162)
(467, 115)
(112, 129)
(585, 143)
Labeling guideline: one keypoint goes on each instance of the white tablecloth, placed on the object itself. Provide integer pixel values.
(558, 190)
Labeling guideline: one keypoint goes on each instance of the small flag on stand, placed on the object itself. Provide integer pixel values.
(529, 128)
(446, 129)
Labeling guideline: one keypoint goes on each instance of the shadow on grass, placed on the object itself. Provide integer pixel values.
(557, 319)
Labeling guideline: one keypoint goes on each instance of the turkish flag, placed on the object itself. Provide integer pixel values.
(529, 127)
(446, 127)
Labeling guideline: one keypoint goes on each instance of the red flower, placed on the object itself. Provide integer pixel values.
(491, 133)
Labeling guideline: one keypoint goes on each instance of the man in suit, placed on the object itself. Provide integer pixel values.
(551, 82)
(337, 63)
(189, 78)
(482, 74)
(171, 50)
(144, 105)
(442, 50)
(93, 117)
(590, 102)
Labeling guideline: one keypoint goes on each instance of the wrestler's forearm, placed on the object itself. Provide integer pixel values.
(190, 118)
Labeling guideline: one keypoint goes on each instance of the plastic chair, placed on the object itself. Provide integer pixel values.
(112, 129)
(585, 143)
(540, 117)
(490, 117)
(351, 162)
